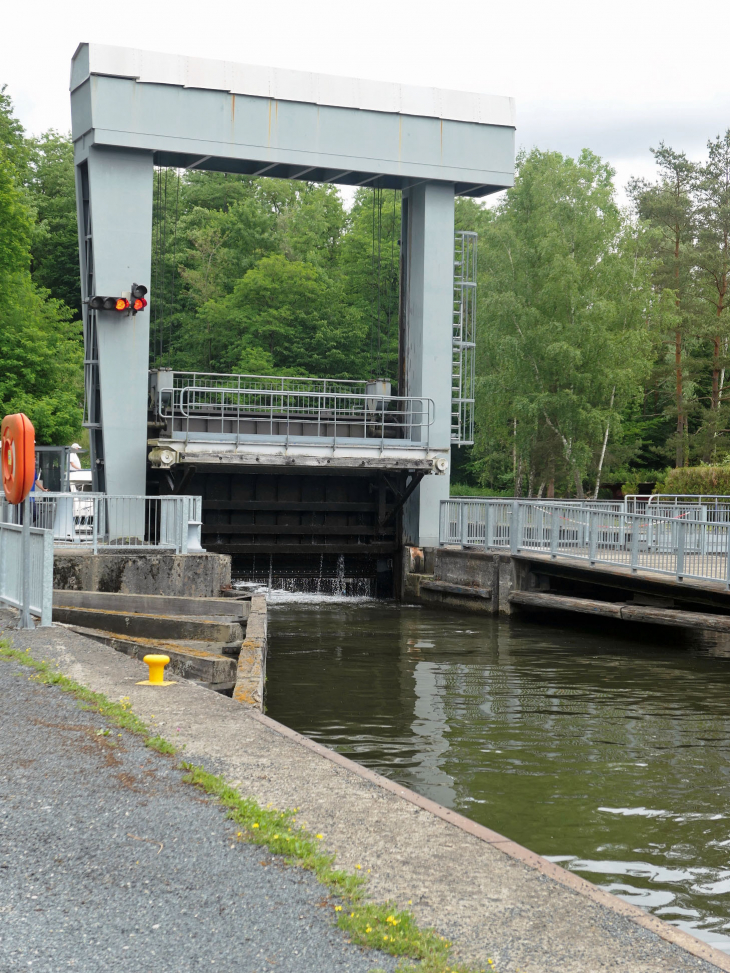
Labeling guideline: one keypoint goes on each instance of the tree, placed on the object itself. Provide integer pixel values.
(669, 206)
(370, 263)
(712, 257)
(290, 311)
(41, 352)
(562, 341)
(55, 245)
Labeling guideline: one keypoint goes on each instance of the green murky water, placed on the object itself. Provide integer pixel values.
(606, 752)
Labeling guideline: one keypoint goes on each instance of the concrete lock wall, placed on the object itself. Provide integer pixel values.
(477, 581)
(194, 575)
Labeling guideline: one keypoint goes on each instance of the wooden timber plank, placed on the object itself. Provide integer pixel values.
(542, 599)
(671, 616)
(627, 613)
(446, 587)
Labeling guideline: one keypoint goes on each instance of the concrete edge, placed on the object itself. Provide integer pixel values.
(251, 668)
(568, 879)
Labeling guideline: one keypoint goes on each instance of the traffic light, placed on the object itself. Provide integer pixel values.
(139, 302)
(98, 303)
(134, 300)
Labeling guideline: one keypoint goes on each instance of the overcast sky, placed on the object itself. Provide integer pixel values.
(616, 77)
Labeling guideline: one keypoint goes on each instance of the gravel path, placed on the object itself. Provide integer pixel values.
(109, 862)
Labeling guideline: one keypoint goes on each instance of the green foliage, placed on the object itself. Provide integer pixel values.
(41, 351)
(40, 343)
(563, 345)
(288, 315)
(696, 480)
(55, 245)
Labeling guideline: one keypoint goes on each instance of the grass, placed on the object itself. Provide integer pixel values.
(375, 925)
(467, 490)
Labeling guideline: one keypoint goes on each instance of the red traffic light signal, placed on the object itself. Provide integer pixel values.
(139, 302)
(98, 303)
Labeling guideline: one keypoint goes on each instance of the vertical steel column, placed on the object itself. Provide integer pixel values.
(119, 213)
(427, 339)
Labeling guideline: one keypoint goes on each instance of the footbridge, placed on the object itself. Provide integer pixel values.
(663, 559)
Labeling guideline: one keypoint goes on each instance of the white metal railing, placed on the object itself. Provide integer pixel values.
(37, 565)
(714, 508)
(684, 544)
(250, 414)
(100, 521)
(268, 383)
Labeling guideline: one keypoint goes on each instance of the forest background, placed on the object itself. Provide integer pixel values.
(602, 331)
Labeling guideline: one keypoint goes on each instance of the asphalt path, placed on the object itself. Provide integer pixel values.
(109, 862)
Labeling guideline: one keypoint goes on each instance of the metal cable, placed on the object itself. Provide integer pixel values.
(156, 271)
(391, 286)
(163, 258)
(174, 270)
(380, 238)
(372, 298)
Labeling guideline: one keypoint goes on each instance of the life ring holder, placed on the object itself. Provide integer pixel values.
(18, 457)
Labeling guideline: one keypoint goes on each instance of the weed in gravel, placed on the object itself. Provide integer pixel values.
(277, 830)
(161, 745)
(379, 926)
(117, 713)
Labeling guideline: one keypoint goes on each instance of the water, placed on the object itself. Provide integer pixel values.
(606, 752)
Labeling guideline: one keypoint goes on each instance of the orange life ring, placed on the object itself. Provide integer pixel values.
(18, 446)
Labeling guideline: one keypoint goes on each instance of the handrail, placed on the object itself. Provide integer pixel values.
(99, 520)
(374, 413)
(683, 544)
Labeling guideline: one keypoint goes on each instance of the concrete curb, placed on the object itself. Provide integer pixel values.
(569, 879)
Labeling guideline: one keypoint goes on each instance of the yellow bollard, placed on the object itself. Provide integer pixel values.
(156, 665)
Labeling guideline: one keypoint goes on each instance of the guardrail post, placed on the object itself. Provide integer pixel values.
(554, 532)
(488, 525)
(514, 528)
(727, 555)
(25, 620)
(95, 525)
(47, 580)
(592, 537)
(463, 525)
(3, 562)
(680, 549)
(635, 528)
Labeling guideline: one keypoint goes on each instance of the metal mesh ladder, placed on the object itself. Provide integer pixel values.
(463, 358)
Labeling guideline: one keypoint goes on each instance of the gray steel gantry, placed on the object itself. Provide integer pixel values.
(133, 110)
